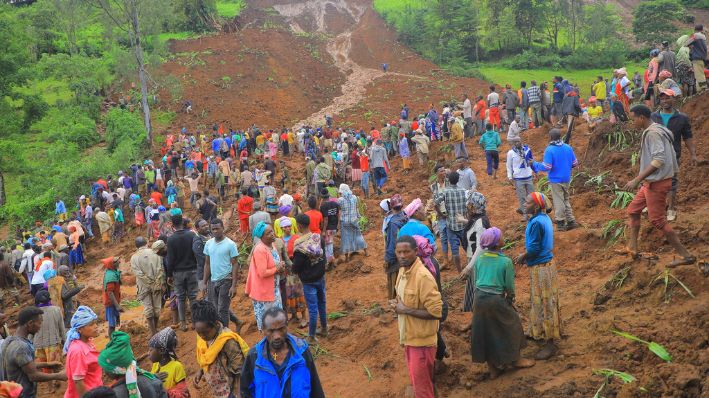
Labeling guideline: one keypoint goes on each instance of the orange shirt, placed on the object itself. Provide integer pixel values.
(157, 197)
(376, 134)
(480, 109)
(364, 163)
(315, 220)
(244, 206)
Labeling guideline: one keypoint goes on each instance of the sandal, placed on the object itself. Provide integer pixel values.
(682, 261)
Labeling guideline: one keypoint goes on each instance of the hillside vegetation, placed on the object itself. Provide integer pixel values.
(524, 34)
(63, 63)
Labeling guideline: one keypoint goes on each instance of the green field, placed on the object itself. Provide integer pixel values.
(584, 78)
(229, 8)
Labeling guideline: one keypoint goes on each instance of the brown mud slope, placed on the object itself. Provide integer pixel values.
(362, 357)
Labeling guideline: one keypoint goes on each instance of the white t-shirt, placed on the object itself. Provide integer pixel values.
(38, 276)
(493, 99)
(285, 200)
(467, 109)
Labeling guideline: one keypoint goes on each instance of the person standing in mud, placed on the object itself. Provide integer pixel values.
(678, 123)
(146, 265)
(544, 318)
(559, 159)
(419, 307)
(658, 165)
(181, 267)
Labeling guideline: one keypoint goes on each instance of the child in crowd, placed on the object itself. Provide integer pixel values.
(165, 364)
(489, 142)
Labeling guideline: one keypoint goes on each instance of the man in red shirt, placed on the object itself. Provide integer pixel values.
(316, 218)
(244, 207)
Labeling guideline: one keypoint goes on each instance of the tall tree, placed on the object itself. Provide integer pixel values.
(527, 18)
(601, 23)
(652, 20)
(575, 16)
(71, 14)
(126, 15)
(555, 12)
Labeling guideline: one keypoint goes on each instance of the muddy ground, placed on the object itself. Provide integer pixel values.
(292, 63)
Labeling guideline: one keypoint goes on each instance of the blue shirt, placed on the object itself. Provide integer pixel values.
(216, 143)
(220, 255)
(59, 207)
(539, 239)
(416, 227)
(665, 117)
(558, 162)
(490, 140)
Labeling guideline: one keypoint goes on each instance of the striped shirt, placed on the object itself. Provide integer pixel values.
(534, 94)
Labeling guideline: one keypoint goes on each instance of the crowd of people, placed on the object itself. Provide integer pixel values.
(218, 204)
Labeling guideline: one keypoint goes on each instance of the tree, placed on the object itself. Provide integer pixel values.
(71, 14)
(198, 14)
(126, 15)
(652, 20)
(528, 17)
(555, 12)
(575, 17)
(601, 23)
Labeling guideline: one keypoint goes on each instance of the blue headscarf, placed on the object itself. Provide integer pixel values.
(259, 230)
(82, 317)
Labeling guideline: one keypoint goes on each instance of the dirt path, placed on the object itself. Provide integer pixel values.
(339, 48)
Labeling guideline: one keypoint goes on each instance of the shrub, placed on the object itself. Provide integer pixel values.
(123, 125)
(68, 124)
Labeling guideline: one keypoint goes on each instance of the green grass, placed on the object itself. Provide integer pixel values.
(164, 37)
(584, 78)
(387, 6)
(229, 8)
(51, 90)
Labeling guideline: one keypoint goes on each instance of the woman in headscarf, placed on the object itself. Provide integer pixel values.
(351, 239)
(544, 318)
(496, 333)
(76, 254)
(220, 351)
(166, 367)
(118, 362)
(262, 281)
(309, 264)
(269, 197)
(476, 225)
(48, 340)
(666, 83)
(683, 67)
(416, 214)
(284, 212)
(621, 88)
(82, 369)
(425, 253)
(295, 300)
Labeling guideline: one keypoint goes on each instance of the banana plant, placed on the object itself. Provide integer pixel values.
(655, 348)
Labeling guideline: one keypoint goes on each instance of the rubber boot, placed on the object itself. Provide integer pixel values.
(561, 225)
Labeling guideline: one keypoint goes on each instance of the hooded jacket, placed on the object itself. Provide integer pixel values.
(259, 377)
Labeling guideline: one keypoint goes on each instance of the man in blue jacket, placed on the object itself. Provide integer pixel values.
(559, 159)
(280, 365)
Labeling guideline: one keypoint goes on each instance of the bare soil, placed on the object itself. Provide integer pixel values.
(277, 80)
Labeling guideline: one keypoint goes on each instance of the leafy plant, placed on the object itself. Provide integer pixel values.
(609, 374)
(543, 185)
(622, 199)
(617, 280)
(655, 348)
(634, 158)
(597, 181)
(665, 277)
(337, 315)
(613, 230)
(509, 244)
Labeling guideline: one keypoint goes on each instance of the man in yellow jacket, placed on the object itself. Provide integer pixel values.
(419, 307)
